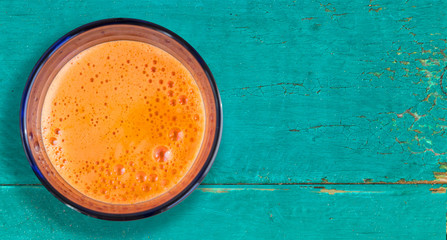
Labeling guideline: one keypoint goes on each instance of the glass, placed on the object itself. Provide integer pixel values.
(65, 49)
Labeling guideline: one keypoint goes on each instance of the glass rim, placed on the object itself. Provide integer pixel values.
(172, 201)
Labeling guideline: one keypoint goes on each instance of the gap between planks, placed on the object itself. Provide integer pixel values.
(277, 184)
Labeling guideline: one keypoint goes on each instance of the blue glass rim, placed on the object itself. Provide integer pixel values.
(188, 189)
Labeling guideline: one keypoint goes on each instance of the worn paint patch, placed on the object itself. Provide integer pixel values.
(308, 18)
(440, 177)
(373, 6)
(226, 190)
(443, 165)
(438, 190)
(421, 127)
(335, 191)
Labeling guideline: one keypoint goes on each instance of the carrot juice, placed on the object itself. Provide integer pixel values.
(123, 122)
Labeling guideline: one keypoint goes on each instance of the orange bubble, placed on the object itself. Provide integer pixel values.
(153, 177)
(141, 176)
(183, 100)
(146, 188)
(53, 141)
(119, 169)
(162, 154)
(175, 134)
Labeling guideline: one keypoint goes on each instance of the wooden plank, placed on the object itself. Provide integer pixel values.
(312, 90)
(243, 212)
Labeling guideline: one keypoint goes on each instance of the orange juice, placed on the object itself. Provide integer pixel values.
(123, 122)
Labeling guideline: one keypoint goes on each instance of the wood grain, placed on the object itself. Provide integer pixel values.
(243, 212)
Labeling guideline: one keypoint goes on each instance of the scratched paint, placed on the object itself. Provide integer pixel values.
(336, 191)
(438, 190)
(419, 129)
(226, 190)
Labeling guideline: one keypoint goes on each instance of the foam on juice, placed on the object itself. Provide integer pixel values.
(123, 122)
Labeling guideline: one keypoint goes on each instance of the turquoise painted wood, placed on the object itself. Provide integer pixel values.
(310, 89)
(244, 212)
(314, 93)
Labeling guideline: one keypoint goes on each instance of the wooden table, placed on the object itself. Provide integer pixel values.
(334, 119)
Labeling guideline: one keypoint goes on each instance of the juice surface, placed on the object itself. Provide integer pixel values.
(123, 122)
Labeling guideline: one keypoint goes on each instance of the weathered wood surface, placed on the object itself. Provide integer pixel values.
(314, 92)
(310, 89)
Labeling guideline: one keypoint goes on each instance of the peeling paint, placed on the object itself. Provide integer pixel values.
(443, 165)
(406, 19)
(438, 190)
(226, 190)
(335, 191)
(308, 18)
(440, 176)
(374, 7)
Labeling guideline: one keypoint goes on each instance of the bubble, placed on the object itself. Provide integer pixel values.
(91, 79)
(160, 81)
(183, 100)
(146, 188)
(175, 134)
(153, 69)
(141, 176)
(196, 117)
(170, 93)
(53, 141)
(119, 169)
(162, 154)
(173, 73)
(171, 84)
(153, 177)
(172, 102)
(155, 61)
